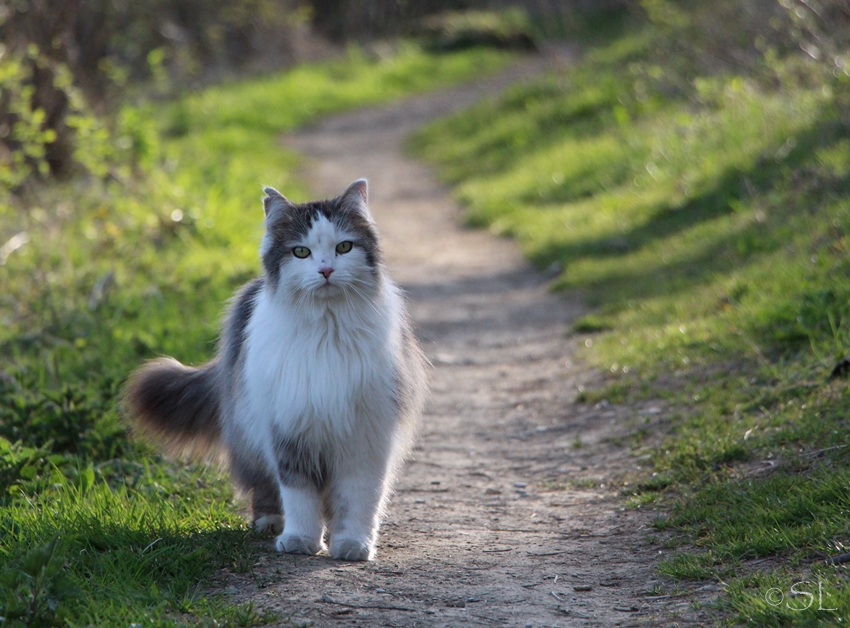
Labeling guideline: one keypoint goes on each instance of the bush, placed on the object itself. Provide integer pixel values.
(63, 65)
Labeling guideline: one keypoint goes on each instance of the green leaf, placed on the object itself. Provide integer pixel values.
(86, 479)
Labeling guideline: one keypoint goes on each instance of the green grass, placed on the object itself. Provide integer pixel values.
(134, 261)
(705, 218)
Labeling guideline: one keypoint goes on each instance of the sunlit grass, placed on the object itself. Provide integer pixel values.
(708, 228)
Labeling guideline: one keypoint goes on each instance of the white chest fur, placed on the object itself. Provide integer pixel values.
(317, 372)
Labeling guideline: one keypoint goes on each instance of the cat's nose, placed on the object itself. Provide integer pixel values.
(326, 271)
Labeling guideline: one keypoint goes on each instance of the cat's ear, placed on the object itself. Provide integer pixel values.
(355, 198)
(274, 203)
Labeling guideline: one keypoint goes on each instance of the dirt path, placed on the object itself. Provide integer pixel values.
(487, 526)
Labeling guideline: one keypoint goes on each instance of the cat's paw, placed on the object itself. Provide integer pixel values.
(294, 544)
(269, 523)
(351, 549)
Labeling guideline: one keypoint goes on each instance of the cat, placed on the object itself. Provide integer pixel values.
(316, 387)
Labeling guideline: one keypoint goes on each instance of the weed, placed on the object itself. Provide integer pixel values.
(34, 587)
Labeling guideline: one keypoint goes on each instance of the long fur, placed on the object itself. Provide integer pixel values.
(178, 406)
(318, 382)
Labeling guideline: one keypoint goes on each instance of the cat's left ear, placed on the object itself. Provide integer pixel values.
(355, 198)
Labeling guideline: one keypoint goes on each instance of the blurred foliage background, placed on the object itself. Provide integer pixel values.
(64, 66)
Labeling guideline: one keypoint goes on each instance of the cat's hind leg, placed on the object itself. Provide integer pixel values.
(252, 477)
(267, 513)
(303, 527)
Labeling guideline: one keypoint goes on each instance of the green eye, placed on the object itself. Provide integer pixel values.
(301, 252)
(343, 247)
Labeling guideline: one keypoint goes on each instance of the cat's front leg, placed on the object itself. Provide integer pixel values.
(303, 528)
(355, 502)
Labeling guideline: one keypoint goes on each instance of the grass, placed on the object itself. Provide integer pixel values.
(704, 215)
(131, 262)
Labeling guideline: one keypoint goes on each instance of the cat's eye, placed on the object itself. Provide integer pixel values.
(343, 247)
(301, 252)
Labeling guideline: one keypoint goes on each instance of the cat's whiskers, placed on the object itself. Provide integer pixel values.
(370, 301)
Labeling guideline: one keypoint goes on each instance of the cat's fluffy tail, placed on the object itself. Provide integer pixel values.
(179, 406)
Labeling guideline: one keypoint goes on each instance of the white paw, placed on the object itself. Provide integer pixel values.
(269, 523)
(294, 544)
(350, 549)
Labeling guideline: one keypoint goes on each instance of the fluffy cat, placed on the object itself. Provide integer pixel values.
(316, 386)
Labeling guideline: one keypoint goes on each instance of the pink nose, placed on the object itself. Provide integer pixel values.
(326, 272)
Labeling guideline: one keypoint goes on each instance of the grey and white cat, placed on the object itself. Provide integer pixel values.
(316, 386)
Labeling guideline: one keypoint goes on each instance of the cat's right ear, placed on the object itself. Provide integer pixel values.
(355, 199)
(275, 203)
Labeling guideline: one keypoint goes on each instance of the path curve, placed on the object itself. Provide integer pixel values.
(486, 526)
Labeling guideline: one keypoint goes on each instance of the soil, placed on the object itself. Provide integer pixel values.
(508, 512)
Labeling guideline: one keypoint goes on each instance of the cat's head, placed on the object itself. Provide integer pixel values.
(325, 249)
